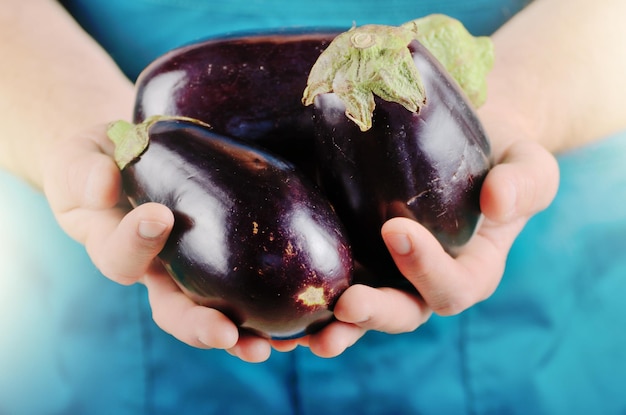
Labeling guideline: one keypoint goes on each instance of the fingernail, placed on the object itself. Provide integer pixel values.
(151, 230)
(399, 243)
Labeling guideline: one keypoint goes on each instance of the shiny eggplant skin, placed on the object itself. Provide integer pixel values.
(252, 237)
(244, 86)
(427, 166)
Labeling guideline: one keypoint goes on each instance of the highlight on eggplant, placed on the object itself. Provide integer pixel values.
(397, 136)
(252, 237)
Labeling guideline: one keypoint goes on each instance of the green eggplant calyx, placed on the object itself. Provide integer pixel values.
(465, 57)
(130, 140)
(363, 62)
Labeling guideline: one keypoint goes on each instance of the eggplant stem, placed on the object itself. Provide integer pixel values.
(363, 40)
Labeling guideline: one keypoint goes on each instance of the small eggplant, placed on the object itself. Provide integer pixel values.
(246, 86)
(396, 136)
(252, 237)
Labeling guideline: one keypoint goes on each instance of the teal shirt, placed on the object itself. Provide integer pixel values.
(551, 340)
(135, 32)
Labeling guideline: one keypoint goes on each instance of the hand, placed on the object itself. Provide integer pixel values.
(523, 182)
(83, 186)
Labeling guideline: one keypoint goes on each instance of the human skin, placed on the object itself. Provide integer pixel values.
(555, 85)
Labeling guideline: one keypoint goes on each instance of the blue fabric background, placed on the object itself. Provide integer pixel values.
(550, 341)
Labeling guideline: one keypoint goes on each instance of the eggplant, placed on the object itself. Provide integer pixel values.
(246, 86)
(252, 236)
(395, 136)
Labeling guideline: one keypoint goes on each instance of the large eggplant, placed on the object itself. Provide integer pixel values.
(246, 86)
(396, 136)
(252, 237)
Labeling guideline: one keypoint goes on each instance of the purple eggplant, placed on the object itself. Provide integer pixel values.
(246, 86)
(418, 152)
(252, 237)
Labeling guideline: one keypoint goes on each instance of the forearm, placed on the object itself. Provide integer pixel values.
(55, 80)
(559, 73)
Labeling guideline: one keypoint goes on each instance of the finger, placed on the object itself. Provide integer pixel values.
(523, 183)
(142, 232)
(287, 345)
(178, 315)
(382, 309)
(251, 348)
(334, 339)
(448, 285)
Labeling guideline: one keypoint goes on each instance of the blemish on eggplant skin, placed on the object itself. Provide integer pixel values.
(290, 251)
(415, 199)
(313, 297)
